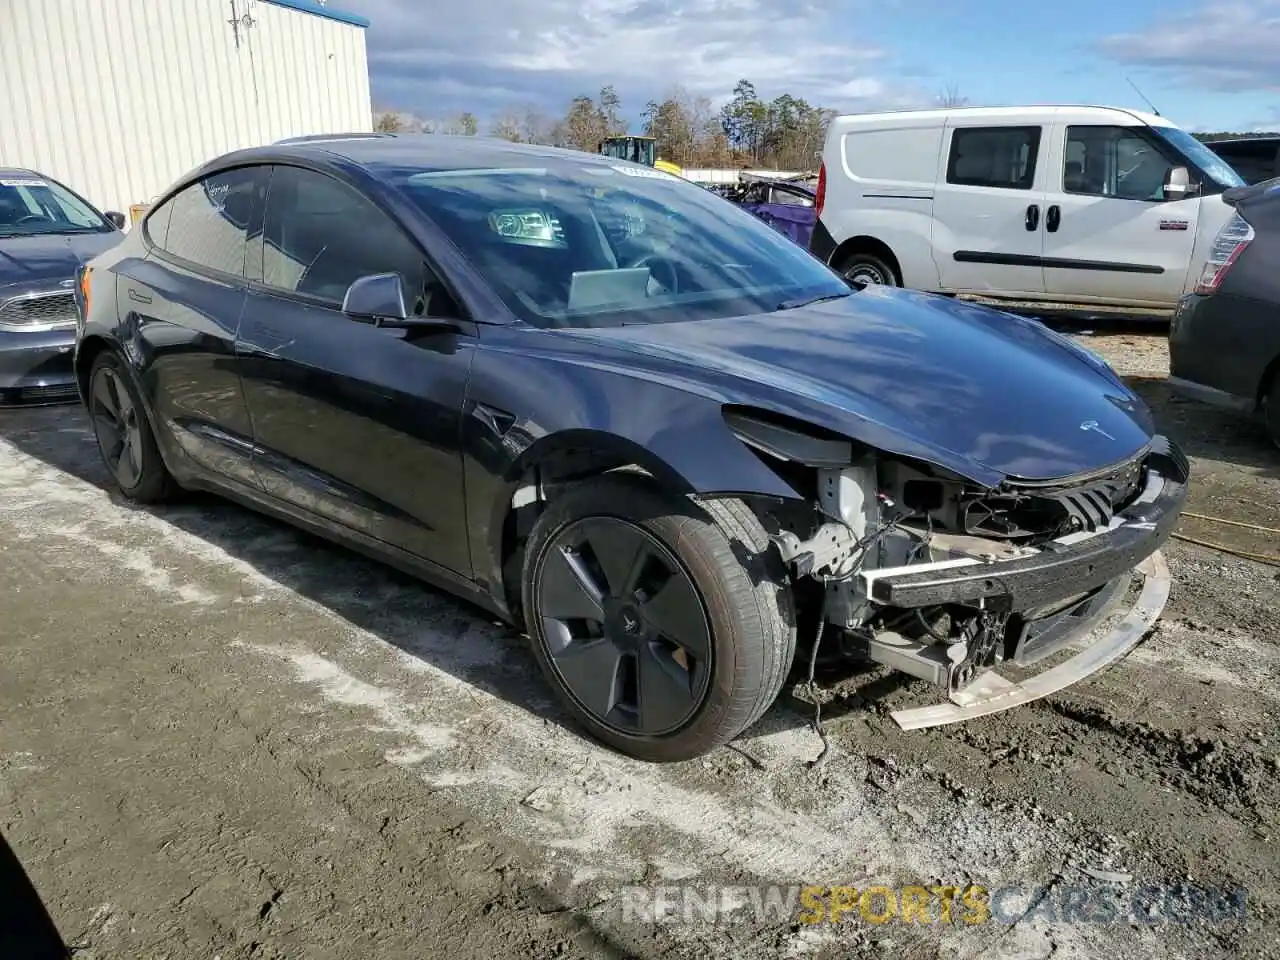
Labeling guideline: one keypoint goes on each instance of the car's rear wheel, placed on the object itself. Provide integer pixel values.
(665, 628)
(125, 440)
(868, 270)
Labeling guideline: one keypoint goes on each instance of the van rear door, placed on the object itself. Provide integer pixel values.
(988, 209)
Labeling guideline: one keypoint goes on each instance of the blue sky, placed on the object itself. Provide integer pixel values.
(1206, 65)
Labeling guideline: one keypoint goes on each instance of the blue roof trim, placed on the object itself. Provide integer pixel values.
(329, 13)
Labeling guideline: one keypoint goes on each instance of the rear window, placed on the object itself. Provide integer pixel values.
(208, 222)
(1002, 157)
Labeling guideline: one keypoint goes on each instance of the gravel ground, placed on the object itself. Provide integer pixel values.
(222, 739)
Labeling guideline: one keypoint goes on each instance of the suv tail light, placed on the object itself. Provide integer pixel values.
(820, 195)
(1227, 247)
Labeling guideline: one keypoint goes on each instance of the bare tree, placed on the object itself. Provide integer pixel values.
(506, 126)
(537, 127)
(951, 97)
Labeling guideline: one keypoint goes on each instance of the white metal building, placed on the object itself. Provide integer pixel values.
(118, 98)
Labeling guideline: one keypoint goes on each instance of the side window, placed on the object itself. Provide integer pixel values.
(994, 157)
(321, 236)
(209, 222)
(156, 223)
(1115, 162)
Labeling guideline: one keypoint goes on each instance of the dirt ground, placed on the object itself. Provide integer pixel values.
(220, 739)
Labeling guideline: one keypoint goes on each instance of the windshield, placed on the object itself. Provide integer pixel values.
(1217, 169)
(601, 245)
(30, 204)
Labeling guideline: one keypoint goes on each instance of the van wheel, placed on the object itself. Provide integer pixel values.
(867, 270)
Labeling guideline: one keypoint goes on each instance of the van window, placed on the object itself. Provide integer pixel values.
(1116, 162)
(994, 157)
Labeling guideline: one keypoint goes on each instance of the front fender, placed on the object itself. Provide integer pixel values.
(524, 410)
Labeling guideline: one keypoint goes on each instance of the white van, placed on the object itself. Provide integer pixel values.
(1073, 205)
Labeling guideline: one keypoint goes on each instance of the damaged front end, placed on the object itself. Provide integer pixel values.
(928, 573)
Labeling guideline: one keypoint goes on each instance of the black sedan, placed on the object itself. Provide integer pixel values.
(1224, 340)
(46, 233)
(605, 404)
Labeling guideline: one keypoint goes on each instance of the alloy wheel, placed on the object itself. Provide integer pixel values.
(115, 423)
(624, 626)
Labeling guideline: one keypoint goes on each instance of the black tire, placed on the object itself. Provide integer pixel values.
(723, 552)
(1271, 410)
(125, 441)
(867, 269)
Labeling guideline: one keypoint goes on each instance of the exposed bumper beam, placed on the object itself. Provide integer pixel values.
(993, 693)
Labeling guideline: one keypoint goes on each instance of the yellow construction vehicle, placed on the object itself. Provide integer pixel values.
(637, 149)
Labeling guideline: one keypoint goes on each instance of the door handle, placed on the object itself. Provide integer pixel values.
(137, 297)
(1033, 216)
(1052, 218)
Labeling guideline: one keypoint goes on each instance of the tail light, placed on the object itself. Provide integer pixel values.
(820, 195)
(1227, 247)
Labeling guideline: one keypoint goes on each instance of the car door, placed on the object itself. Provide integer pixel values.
(354, 423)
(180, 307)
(1110, 236)
(988, 209)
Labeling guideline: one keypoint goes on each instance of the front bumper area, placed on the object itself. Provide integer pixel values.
(1066, 567)
(993, 693)
(36, 367)
(1029, 605)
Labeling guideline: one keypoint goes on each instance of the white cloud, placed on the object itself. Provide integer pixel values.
(499, 53)
(1231, 46)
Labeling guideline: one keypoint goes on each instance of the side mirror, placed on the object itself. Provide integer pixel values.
(1178, 185)
(378, 299)
(115, 218)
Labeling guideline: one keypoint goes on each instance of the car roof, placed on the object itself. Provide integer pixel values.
(1263, 138)
(1029, 113)
(17, 172)
(425, 150)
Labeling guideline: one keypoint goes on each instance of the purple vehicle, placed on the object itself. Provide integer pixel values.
(786, 205)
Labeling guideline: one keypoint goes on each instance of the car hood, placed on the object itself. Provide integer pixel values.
(27, 260)
(986, 394)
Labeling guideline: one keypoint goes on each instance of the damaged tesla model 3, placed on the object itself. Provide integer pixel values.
(611, 407)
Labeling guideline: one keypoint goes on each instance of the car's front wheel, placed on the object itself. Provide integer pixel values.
(125, 440)
(666, 628)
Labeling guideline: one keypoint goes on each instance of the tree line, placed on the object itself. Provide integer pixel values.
(783, 133)
(1210, 137)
